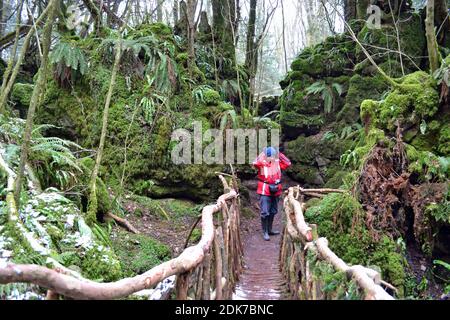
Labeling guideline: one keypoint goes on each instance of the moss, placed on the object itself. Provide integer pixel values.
(360, 88)
(416, 99)
(100, 264)
(444, 140)
(336, 180)
(305, 174)
(427, 165)
(293, 124)
(211, 97)
(329, 58)
(391, 262)
(335, 284)
(412, 41)
(195, 236)
(21, 93)
(138, 253)
(102, 194)
(340, 218)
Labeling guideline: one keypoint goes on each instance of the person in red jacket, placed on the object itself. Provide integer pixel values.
(269, 164)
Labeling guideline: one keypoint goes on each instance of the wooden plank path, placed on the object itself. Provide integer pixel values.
(261, 278)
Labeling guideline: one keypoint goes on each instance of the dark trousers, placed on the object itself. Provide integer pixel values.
(268, 205)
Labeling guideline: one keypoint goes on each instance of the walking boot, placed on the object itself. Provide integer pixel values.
(270, 231)
(265, 228)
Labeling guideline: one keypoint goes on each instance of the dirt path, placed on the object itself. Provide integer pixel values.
(261, 278)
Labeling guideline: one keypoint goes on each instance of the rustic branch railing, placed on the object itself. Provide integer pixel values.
(299, 238)
(218, 253)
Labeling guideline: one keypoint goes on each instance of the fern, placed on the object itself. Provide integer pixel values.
(158, 58)
(68, 60)
(328, 93)
(198, 93)
(229, 89)
(53, 158)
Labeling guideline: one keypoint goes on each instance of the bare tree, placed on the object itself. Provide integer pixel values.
(35, 98)
(433, 52)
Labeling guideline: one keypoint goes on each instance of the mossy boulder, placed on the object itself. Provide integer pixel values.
(315, 159)
(329, 58)
(21, 97)
(416, 99)
(360, 88)
(412, 42)
(340, 218)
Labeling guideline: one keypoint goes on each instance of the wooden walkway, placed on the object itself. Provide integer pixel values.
(261, 278)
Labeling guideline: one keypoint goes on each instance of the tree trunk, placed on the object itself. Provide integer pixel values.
(350, 10)
(93, 202)
(13, 53)
(190, 18)
(286, 68)
(442, 21)
(35, 99)
(223, 14)
(433, 53)
(159, 10)
(95, 12)
(251, 30)
(26, 43)
(2, 27)
(176, 7)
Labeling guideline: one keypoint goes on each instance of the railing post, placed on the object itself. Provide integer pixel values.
(182, 286)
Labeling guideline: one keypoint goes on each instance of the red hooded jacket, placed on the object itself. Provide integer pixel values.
(270, 173)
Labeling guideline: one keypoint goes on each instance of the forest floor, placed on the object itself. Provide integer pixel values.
(172, 233)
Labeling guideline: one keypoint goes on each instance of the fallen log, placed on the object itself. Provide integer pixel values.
(325, 190)
(123, 222)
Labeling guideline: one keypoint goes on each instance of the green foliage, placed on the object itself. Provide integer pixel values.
(138, 253)
(329, 135)
(21, 93)
(53, 158)
(227, 117)
(102, 235)
(440, 211)
(229, 89)
(428, 166)
(417, 99)
(199, 94)
(69, 60)
(350, 131)
(341, 219)
(328, 92)
(158, 58)
(446, 266)
(334, 283)
(265, 121)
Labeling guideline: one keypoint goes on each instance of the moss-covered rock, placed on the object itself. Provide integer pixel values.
(412, 42)
(21, 93)
(340, 219)
(315, 159)
(360, 88)
(415, 100)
